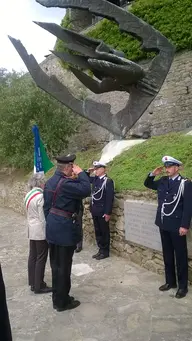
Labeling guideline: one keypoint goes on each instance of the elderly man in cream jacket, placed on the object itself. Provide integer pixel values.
(38, 246)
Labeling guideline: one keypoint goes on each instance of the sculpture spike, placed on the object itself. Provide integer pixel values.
(76, 60)
(142, 92)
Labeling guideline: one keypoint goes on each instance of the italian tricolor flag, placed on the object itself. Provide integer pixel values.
(42, 163)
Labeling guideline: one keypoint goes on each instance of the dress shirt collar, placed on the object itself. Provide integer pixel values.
(175, 177)
(102, 176)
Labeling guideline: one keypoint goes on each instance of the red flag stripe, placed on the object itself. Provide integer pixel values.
(33, 196)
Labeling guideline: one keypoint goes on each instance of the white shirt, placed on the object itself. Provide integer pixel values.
(102, 176)
(175, 177)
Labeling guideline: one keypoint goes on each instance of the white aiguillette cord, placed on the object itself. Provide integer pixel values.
(175, 200)
(99, 190)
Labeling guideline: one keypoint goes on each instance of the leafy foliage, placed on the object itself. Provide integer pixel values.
(22, 104)
(173, 18)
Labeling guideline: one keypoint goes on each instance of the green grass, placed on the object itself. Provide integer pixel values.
(130, 169)
(173, 18)
(85, 159)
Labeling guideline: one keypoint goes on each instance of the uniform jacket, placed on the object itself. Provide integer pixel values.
(61, 230)
(167, 190)
(105, 203)
(35, 216)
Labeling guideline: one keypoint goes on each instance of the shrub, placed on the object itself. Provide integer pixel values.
(22, 104)
(173, 18)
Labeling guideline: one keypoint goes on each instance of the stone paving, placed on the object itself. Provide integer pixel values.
(119, 300)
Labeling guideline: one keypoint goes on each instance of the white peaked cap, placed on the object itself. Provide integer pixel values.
(169, 160)
(98, 164)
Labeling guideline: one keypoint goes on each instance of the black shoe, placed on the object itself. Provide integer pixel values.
(101, 256)
(167, 286)
(32, 288)
(181, 293)
(78, 249)
(71, 298)
(72, 305)
(45, 290)
(97, 254)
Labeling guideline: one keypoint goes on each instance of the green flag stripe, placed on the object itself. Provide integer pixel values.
(32, 192)
(47, 164)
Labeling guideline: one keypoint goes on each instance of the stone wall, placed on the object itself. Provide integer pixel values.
(147, 258)
(79, 19)
(13, 188)
(171, 109)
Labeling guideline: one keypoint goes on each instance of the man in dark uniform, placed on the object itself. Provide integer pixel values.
(101, 207)
(62, 197)
(5, 328)
(173, 218)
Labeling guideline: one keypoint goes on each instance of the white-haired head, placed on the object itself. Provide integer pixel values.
(37, 180)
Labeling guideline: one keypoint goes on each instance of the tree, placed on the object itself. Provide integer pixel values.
(22, 104)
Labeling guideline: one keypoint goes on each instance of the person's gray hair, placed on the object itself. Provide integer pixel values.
(62, 166)
(37, 180)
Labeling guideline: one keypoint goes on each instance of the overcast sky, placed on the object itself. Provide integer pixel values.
(16, 19)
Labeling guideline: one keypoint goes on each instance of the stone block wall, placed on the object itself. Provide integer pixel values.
(171, 109)
(13, 189)
(147, 258)
(150, 259)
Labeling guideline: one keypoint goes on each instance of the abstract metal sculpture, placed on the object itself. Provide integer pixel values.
(111, 70)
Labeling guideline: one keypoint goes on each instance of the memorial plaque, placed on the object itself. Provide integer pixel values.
(139, 224)
(140, 227)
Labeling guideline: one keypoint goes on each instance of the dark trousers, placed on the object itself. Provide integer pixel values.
(38, 251)
(102, 234)
(61, 261)
(5, 329)
(80, 223)
(175, 248)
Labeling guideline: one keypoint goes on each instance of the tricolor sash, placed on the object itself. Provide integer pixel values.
(32, 194)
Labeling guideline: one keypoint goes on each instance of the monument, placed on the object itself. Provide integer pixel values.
(111, 70)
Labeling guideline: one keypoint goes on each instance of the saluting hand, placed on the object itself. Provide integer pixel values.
(157, 171)
(183, 231)
(77, 169)
(90, 170)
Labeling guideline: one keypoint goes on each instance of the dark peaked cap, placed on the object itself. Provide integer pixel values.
(66, 158)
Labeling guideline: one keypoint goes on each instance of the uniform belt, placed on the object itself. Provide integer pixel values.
(61, 213)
